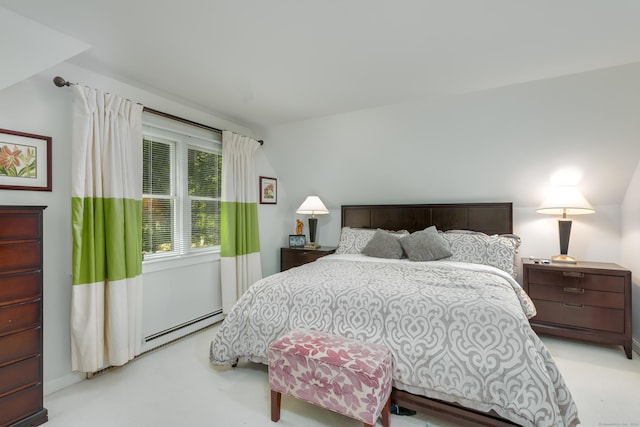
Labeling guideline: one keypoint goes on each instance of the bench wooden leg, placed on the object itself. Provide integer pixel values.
(386, 413)
(276, 398)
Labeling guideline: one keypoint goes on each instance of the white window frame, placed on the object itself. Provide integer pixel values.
(182, 138)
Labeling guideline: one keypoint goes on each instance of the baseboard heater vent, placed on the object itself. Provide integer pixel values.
(182, 325)
(90, 375)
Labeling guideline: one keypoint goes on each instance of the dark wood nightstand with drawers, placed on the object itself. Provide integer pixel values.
(588, 300)
(293, 257)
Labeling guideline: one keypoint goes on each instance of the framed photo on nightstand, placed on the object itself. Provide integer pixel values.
(297, 240)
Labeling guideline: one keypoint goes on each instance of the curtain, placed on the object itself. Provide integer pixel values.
(106, 209)
(239, 240)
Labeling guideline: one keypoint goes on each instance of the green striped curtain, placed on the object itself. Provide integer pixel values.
(106, 210)
(240, 263)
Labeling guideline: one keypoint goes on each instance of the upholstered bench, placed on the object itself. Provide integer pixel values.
(346, 376)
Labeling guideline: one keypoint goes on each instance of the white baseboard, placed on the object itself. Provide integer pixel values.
(180, 333)
(62, 382)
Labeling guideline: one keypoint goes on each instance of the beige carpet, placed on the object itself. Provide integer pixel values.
(175, 386)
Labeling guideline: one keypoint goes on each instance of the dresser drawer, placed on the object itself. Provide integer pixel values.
(577, 279)
(603, 319)
(19, 375)
(20, 256)
(17, 226)
(17, 287)
(17, 406)
(19, 316)
(20, 345)
(573, 295)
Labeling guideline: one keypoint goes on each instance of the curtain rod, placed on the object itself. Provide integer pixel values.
(60, 82)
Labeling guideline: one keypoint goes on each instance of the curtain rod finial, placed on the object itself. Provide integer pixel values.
(59, 81)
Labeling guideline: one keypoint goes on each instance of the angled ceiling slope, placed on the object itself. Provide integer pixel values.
(27, 48)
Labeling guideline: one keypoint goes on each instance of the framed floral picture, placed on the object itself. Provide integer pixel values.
(25, 161)
(268, 190)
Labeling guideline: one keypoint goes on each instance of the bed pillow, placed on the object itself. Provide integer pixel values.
(353, 240)
(383, 245)
(425, 245)
(475, 247)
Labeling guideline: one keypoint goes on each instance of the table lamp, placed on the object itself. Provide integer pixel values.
(565, 200)
(313, 206)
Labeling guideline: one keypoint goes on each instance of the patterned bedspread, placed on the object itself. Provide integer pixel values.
(458, 332)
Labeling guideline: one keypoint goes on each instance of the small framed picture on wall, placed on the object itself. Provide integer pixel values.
(268, 190)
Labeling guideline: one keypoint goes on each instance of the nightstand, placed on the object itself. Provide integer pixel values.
(589, 301)
(293, 257)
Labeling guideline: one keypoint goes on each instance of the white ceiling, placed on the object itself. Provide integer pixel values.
(264, 62)
(19, 61)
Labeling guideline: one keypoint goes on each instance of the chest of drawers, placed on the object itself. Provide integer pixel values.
(21, 397)
(587, 300)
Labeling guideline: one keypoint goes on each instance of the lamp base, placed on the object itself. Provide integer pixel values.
(563, 259)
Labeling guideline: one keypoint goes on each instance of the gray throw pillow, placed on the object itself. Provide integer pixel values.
(383, 245)
(425, 245)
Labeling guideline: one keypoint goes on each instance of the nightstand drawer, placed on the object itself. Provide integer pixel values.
(304, 257)
(577, 279)
(582, 316)
(573, 295)
(293, 257)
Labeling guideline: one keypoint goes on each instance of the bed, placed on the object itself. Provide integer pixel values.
(452, 314)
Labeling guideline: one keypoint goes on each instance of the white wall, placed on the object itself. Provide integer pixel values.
(37, 106)
(631, 242)
(497, 145)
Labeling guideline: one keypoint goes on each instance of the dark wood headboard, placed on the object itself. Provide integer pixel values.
(490, 218)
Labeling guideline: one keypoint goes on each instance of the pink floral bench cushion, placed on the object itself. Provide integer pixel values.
(344, 375)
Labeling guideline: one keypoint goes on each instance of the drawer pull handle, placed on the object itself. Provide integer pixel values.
(574, 290)
(567, 305)
(572, 274)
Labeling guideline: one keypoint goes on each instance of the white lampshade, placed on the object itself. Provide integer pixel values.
(312, 205)
(565, 200)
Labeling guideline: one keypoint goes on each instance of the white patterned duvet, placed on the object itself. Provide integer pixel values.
(458, 332)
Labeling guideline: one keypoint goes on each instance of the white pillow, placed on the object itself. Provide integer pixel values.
(353, 240)
(475, 247)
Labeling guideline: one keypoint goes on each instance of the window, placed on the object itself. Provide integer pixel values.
(181, 192)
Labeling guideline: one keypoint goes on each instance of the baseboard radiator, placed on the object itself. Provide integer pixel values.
(181, 326)
(157, 335)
